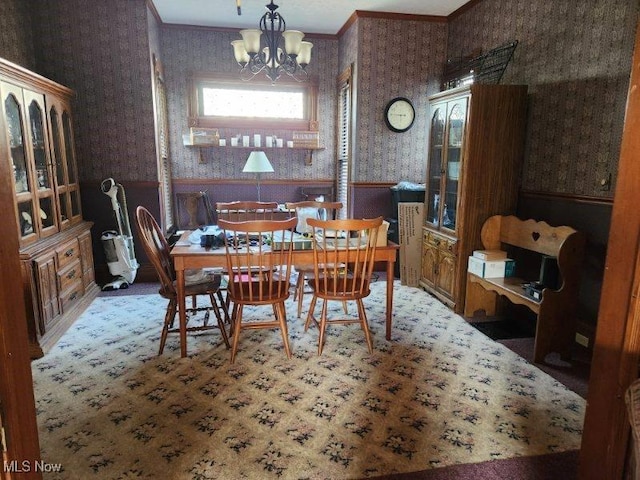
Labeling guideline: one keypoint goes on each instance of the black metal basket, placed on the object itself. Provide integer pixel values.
(487, 68)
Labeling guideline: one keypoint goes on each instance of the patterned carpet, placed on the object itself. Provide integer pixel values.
(440, 393)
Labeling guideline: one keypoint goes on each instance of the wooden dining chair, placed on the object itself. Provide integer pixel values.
(259, 266)
(343, 254)
(322, 210)
(246, 210)
(157, 249)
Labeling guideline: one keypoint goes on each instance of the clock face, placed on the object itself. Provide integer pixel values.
(399, 114)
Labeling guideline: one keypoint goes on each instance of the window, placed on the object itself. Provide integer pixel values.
(220, 100)
(344, 140)
(226, 102)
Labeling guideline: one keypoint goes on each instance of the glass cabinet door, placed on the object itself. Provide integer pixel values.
(70, 162)
(435, 164)
(66, 176)
(17, 143)
(27, 139)
(46, 214)
(455, 127)
(15, 133)
(56, 142)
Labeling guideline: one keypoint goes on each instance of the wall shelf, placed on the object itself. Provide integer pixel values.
(308, 160)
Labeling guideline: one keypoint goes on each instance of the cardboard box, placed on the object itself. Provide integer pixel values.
(491, 269)
(488, 255)
(382, 234)
(410, 217)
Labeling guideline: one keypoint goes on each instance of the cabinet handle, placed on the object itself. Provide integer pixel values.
(71, 274)
(73, 296)
(69, 252)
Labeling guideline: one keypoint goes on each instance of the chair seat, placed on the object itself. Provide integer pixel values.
(250, 292)
(334, 289)
(305, 275)
(211, 286)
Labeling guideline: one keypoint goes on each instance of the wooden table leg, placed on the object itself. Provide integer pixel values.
(182, 312)
(390, 279)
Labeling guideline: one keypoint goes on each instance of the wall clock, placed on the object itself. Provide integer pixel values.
(399, 114)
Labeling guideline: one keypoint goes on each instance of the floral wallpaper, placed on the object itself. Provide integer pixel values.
(16, 42)
(577, 72)
(186, 50)
(348, 46)
(409, 66)
(102, 53)
(576, 58)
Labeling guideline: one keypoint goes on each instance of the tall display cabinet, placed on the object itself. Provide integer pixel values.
(476, 145)
(36, 138)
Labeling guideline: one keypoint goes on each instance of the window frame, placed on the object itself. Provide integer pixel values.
(344, 127)
(200, 79)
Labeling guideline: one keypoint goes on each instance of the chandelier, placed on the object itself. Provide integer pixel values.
(283, 50)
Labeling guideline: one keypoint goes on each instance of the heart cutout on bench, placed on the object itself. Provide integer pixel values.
(535, 236)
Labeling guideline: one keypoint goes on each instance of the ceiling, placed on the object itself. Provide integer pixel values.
(305, 15)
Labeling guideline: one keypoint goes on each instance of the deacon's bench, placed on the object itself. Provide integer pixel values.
(556, 309)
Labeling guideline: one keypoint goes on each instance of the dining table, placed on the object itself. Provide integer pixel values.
(187, 255)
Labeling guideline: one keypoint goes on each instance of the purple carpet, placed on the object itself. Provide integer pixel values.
(554, 466)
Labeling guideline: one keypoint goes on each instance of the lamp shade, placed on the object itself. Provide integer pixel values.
(242, 57)
(292, 41)
(304, 57)
(251, 39)
(257, 163)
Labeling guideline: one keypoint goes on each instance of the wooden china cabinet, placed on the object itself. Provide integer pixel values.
(36, 139)
(476, 144)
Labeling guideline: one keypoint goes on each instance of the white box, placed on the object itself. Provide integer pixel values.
(300, 242)
(410, 217)
(491, 269)
(489, 255)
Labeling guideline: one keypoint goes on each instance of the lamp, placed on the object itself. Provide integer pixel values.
(284, 50)
(257, 163)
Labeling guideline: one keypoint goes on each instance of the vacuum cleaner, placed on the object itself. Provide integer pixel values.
(118, 245)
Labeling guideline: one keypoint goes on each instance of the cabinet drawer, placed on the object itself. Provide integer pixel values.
(67, 253)
(72, 295)
(69, 274)
(451, 246)
(437, 240)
